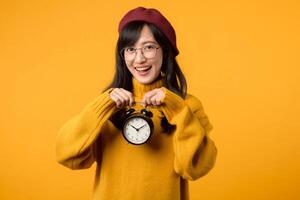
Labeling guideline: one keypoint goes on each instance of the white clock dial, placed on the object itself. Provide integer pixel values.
(137, 130)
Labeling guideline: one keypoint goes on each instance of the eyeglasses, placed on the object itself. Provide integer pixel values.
(148, 51)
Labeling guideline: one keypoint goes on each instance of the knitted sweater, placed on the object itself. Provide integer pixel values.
(157, 170)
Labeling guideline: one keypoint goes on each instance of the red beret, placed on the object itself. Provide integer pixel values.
(153, 16)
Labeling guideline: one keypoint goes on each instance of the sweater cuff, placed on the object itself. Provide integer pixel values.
(172, 104)
(103, 103)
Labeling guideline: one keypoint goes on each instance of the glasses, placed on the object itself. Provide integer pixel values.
(148, 51)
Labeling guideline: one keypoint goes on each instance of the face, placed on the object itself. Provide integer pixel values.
(145, 70)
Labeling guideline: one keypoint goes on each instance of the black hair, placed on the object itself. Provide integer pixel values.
(173, 76)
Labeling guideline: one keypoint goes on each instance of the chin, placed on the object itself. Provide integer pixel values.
(145, 80)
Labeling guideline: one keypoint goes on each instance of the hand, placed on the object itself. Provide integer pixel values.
(121, 97)
(154, 97)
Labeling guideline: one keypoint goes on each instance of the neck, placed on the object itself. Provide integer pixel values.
(139, 89)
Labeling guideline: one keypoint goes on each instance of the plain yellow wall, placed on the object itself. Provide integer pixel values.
(241, 58)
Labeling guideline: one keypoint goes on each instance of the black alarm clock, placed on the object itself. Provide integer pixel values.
(137, 126)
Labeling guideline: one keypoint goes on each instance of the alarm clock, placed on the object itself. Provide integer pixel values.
(137, 126)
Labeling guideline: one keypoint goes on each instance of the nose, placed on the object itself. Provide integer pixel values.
(139, 57)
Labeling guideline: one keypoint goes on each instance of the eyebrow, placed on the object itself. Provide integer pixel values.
(149, 42)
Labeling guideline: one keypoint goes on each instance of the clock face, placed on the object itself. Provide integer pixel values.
(137, 130)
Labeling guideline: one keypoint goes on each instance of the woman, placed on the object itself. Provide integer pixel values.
(147, 75)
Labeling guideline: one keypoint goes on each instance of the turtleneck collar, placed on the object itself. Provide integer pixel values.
(139, 89)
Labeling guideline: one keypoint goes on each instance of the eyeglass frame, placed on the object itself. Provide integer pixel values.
(122, 52)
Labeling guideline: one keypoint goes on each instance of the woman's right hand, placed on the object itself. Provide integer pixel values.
(121, 97)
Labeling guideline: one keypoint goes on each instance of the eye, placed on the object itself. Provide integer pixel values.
(149, 47)
(129, 49)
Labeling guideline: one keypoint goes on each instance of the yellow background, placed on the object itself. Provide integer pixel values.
(239, 57)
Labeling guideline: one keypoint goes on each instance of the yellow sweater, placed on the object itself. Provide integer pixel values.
(157, 170)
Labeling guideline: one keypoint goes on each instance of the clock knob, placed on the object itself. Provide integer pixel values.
(128, 112)
(146, 113)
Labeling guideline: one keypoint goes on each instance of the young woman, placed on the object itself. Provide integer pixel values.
(147, 76)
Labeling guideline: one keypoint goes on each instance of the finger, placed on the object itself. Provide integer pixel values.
(158, 101)
(152, 100)
(159, 97)
(121, 99)
(123, 95)
(153, 96)
(147, 97)
(155, 100)
(129, 95)
(116, 99)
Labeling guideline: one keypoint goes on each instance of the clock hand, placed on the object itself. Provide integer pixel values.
(134, 127)
(141, 127)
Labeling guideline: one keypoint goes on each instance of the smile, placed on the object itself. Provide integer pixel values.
(142, 69)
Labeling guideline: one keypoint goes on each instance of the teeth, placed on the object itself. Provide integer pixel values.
(142, 68)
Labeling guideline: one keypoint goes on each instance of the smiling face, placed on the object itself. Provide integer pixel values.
(145, 70)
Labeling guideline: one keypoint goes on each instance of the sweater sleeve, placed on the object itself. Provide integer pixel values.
(75, 139)
(195, 153)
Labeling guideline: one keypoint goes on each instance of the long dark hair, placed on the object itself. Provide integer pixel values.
(173, 76)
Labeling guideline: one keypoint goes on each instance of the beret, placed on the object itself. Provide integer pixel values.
(154, 17)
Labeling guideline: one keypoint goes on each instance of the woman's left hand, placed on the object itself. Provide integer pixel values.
(154, 97)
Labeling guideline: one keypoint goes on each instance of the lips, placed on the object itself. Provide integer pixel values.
(142, 69)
